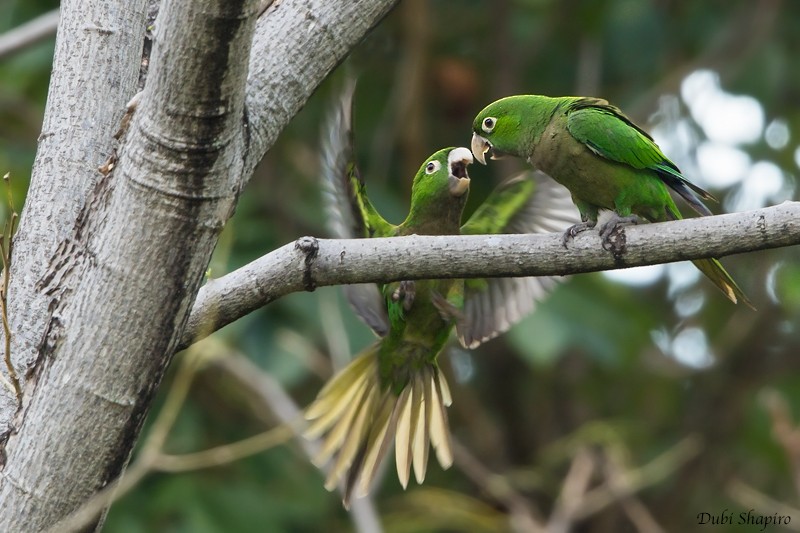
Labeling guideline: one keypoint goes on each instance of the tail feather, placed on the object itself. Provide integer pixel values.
(421, 433)
(717, 274)
(334, 393)
(376, 447)
(404, 440)
(359, 418)
(711, 267)
(355, 427)
(439, 428)
(337, 434)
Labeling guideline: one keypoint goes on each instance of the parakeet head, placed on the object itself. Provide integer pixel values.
(443, 172)
(498, 129)
(439, 191)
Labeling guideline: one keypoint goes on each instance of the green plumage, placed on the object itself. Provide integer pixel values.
(394, 389)
(605, 160)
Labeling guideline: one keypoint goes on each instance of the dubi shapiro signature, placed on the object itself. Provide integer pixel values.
(745, 518)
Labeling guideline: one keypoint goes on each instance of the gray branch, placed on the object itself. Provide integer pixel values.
(309, 263)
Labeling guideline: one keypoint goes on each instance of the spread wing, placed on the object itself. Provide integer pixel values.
(607, 132)
(349, 212)
(530, 202)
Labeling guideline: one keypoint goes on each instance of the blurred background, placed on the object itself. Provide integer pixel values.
(638, 400)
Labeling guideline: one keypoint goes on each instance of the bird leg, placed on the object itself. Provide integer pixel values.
(405, 291)
(614, 223)
(573, 230)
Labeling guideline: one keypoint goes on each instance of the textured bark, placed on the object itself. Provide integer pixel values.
(106, 268)
(121, 284)
(97, 53)
(309, 263)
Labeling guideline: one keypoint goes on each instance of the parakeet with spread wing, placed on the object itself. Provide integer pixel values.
(394, 390)
(605, 160)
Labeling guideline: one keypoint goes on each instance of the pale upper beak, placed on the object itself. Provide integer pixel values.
(457, 161)
(479, 148)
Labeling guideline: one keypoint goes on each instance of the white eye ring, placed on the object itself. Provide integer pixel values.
(432, 167)
(488, 124)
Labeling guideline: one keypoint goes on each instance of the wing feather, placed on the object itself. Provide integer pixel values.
(607, 132)
(349, 211)
(530, 202)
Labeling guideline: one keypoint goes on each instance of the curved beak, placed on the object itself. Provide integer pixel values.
(479, 147)
(457, 161)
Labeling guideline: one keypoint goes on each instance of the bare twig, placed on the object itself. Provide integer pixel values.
(227, 453)
(637, 479)
(784, 430)
(617, 481)
(640, 515)
(573, 492)
(750, 498)
(787, 434)
(305, 352)
(524, 514)
(29, 33)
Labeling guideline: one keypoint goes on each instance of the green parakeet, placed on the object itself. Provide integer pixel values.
(393, 390)
(605, 160)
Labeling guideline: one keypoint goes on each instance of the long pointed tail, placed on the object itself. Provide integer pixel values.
(714, 271)
(359, 418)
(711, 267)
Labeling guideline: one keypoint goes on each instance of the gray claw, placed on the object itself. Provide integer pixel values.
(406, 291)
(573, 230)
(614, 223)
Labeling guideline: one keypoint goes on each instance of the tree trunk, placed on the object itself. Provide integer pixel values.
(107, 265)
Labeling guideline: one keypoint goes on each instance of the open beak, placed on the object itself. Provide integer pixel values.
(479, 148)
(457, 161)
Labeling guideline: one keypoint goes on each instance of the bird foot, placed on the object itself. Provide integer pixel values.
(612, 227)
(573, 230)
(406, 292)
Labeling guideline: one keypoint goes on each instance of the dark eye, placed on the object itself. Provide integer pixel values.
(432, 167)
(488, 124)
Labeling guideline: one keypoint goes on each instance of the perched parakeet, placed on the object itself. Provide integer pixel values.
(393, 390)
(605, 160)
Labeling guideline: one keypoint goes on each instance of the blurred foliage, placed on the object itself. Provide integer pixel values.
(627, 369)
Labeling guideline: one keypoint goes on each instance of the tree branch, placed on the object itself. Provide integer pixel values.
(309, 263)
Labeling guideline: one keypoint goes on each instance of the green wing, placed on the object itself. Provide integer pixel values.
(530, 202)
(607, 132)
(349, 212)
